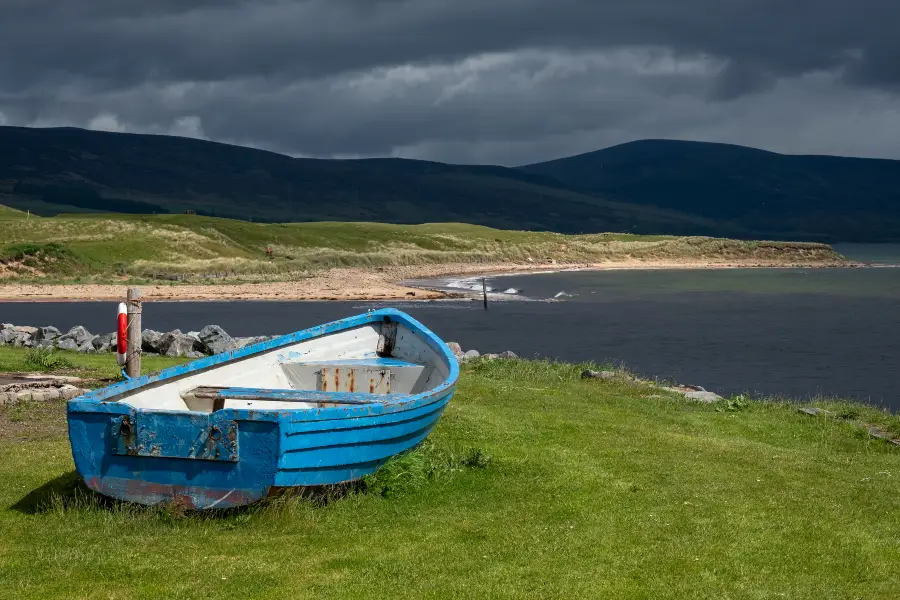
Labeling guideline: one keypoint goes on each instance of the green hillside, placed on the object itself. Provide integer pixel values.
(804, 197)
(649, 187)
(146, 246)
(52, 171)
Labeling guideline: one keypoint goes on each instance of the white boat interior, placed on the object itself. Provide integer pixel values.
(377, 361)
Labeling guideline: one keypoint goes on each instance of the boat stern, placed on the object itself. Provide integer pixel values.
(194, 460)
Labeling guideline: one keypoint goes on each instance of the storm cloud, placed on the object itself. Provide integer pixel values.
(504, 81)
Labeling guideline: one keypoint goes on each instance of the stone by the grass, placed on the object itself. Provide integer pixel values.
(67, 344)
(46, 334)
(22, 396)
(491, 356)
(88, 345)
(105, 343)
(181, 344)
(509, 354)
(23, 339)
(216, 340)
(79, 334)
(67, 392)
(455, 348)
(166, 339)
(195, 355)
(150, 340)
(816, 412)
(703, 396)
(590, 374)
(469, 355)
(7, 333)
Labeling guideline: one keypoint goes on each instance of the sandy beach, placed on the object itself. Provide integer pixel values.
(382, 283)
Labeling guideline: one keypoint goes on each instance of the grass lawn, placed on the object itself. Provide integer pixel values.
(89, 366)
(594, 489)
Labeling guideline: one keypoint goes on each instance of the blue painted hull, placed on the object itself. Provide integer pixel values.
(232, 457)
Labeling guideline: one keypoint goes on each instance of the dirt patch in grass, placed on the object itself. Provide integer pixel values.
(27, 421)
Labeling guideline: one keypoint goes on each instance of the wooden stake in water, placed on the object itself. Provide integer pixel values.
(484, 292)
(133, 357)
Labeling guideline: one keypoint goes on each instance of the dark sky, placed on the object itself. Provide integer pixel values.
(487, 81)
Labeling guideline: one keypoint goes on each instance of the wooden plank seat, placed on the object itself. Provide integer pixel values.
(220, 394)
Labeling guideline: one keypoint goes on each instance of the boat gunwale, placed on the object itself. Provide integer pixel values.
(105, 400)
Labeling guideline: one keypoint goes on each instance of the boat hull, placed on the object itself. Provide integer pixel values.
(233, 457)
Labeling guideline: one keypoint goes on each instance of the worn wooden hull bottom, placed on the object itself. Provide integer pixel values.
(199, 455)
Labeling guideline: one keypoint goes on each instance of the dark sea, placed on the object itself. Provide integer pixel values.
(796, 333)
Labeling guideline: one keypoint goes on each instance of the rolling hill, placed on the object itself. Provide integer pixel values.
(51, 171)
(826, 198)
(647, 187)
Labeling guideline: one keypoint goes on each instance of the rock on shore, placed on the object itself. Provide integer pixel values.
(212, 339)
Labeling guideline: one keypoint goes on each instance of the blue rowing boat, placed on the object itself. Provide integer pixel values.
(321, 406)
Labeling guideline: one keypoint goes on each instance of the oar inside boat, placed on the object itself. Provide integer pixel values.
(220, 394)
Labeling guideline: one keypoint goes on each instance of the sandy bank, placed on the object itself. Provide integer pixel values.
(382, 283)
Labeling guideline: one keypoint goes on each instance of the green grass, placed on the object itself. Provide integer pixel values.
(61, 362)
(11, 213)
(137, 247)
(534, 484)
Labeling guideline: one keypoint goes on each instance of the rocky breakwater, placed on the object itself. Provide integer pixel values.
(212, 339)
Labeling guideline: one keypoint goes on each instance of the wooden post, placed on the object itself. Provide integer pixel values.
(133, 358)
(484, 292)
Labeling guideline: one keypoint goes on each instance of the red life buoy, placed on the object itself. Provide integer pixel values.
(122, 334)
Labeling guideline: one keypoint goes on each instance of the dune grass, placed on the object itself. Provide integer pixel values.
(133, 247)
(535, 484)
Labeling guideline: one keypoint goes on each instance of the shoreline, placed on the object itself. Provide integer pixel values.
(357, 284)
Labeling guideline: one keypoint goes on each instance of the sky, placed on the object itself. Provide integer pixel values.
(506, 82)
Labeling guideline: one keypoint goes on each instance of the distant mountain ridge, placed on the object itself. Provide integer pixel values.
(650, 186)
(819, 197)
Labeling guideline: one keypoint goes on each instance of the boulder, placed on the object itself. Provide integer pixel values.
(7, 333)
(703, 396)
(47, 334)
(78, 334)
(491, 356)
(471, 354)
(249, 341)
(40, 395)
(216, 340)
(181, 345)
(105, 343)
(67, 392)
(150, 341)
(23, 339)
(88, 345)
(67, 343)
(194, 354)
(509, 354)
(455, 348)
(589, 374)
(166, 339)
